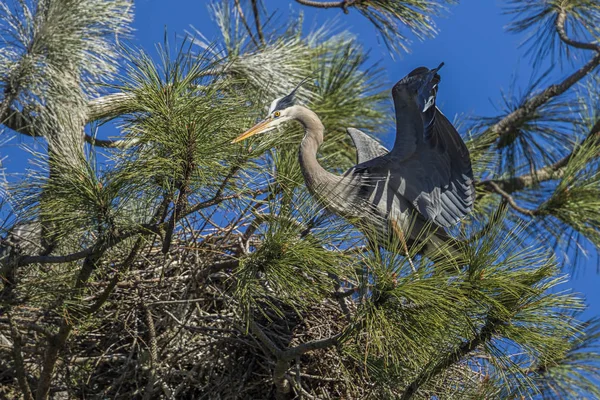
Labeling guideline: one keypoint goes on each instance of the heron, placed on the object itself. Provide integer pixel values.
(415, 191)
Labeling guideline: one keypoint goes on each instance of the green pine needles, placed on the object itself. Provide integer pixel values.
(146, 256)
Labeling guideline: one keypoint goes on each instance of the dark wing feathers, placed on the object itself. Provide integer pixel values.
(448, 191)
(367, 148)
(429, 158)
(429, 164)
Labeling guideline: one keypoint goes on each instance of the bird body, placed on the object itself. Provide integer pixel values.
(423, 185)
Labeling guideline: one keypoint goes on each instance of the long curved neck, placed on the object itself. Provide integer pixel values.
(317, 178)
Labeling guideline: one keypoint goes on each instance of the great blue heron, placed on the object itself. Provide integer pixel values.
(423, 185)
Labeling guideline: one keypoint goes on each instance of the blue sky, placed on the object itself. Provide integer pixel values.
(481, 61)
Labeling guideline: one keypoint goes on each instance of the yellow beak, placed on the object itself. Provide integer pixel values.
(258, 128)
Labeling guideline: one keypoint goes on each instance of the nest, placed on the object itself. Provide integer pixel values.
(170, 329)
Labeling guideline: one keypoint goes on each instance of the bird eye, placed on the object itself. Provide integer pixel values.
(277, 114)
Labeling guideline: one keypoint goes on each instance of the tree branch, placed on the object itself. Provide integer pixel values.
(245, 22)
(319, 344)
(57, 342)
(115, 279)
(111, 144)
(255, 11)
(552, 171)
(517, 117)
(220, 199)
(484, 335)
(109, 106)
(18, 359)
(265, 340)
(511, 201)
(520, 115)
(153, 348)
(560, 28)
(102, 107)
(343, 4)
(56, 259)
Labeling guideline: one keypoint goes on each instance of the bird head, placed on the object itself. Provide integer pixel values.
(279, 112)
(422, 83)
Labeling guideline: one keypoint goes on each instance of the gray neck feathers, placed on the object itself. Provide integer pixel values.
(317, 178)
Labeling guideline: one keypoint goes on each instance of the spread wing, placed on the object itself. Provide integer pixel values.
(429, 165)
(443, 190)
(367, 148)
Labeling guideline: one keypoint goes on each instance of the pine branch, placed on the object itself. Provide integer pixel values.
(520, 115)
(153, 350)
(484, 335)
(511, 201)
(343, 4)
(57, 343)
(245, 22)
(18, 358)
(256, 13)
(553, 171)
(560, 28)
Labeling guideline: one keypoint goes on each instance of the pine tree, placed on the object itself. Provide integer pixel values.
(169, 263)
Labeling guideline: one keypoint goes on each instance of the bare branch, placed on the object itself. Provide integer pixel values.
(343, 4)
(112, 144)
(20, 123)
(484, 335)
(265, 340)
(109, 106)
(259, 31)
(560, 28)
(153, 353)
(18, 358)
(294, 352)
(511, 201)
(548, 172)
(56, 259)
(238, 6)
(520, 115)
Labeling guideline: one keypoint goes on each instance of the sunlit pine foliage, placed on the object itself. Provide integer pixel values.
(181, 265)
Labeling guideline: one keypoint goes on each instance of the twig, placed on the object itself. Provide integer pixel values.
(256, 13)
(148, 391)
(484, 335)
(245, 22)
(115, 279)
(216, 200)
(265, 340)
(560, 28)
(18, 358)
(316, 377)
(511, 201)
(298, 387)
(515, 118)
(319, 344)
(552, 171)
(343, 4)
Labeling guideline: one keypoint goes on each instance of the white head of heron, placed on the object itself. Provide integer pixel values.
(279, 112)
